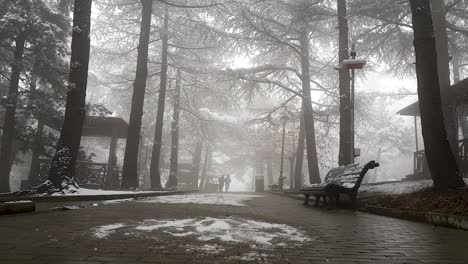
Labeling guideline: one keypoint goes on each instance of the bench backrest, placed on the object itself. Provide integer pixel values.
(349, 176)
(344, 175)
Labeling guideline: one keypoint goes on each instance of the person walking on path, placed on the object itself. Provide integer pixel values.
(227, 182)
(221, 183)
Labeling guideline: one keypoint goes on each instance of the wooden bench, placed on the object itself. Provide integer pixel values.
(341, 180)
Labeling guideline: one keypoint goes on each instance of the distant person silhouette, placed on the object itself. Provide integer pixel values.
(221, 183)
(227, 182)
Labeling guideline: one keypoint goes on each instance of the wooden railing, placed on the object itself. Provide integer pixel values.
(89, 174)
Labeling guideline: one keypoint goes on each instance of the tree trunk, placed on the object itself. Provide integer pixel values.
(206, 165)
(441, 160)
(314, 172)
(270, 170)
(154, 169)
(172, 182)
(298, 180)
(9, 123)
(443, 69)
(37, 150)
(455, 64)
(62, 169)
(345, 155)
(130, 165)
(196, 164)
(38, 145)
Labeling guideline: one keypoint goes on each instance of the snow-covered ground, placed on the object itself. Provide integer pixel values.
(256, 234)
(396, 188)
(84, 191)
(233, 199)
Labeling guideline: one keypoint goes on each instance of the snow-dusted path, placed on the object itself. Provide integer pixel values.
(233, 228)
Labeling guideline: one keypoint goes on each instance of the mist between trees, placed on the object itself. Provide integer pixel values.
(173, 94)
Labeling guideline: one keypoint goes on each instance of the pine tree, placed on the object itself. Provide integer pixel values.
(62, 168)
(441, 161)
(129, 172)
(36, 25)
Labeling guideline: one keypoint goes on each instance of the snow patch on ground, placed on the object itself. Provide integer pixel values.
(212, 199)
(205, 249)
(106, 230)
(232, 230)
(252, 256)
(84, 191)
(116, 201)
(396, 188)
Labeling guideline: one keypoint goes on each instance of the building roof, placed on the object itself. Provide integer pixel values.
(410, 110)
(94, 126)
(459, 93)
(98, 126)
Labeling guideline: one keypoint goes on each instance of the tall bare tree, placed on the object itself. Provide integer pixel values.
(62, 169)
(9, 126)
(314, 172)
(130, 166)
(172, 181)
(441, 161)
(346, 154)
(155, 174)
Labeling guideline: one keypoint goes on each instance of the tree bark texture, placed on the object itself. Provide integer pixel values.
(441, 160)
(345, 155)
(62, 168)
(314, 172)
(130, 165)
(270, 170)
(206, 165)
(448, 107)
(155, 173)
(196, 164)
(298, 180)
(172, 182)
(9, 122)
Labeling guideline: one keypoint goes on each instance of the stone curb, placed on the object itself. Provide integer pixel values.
(17, 207)
(78, 198)
(450, 221)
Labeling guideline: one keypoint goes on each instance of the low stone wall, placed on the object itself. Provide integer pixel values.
(17, 207)
(452, 221)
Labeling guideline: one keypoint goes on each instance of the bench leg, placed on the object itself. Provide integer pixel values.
(317, 199)
(306, 199)
(353, 200)
(332, 201)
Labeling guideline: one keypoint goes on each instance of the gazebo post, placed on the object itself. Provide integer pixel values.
(417, 145)
(112, 161)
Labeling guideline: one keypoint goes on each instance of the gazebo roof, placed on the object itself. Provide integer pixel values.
(410, 110)
(94, 126)
(98, 126)
(102, 126)
(459, 93)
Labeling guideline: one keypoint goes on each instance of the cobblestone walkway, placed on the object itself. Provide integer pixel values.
(339, 236)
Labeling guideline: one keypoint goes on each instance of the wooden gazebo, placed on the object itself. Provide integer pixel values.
(91, 174)
(459, 93)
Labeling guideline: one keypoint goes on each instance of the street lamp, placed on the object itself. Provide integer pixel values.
(284, 120)
(352, 64)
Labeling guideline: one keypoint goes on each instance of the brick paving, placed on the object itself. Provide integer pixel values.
(342, 236)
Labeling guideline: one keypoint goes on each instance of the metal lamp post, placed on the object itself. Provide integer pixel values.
(284, 120)
(353, 64)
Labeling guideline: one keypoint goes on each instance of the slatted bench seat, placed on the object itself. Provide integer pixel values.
(340, 180)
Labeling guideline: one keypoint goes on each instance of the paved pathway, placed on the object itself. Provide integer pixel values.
(341, 236)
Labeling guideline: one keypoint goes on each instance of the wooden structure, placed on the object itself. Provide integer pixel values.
(91, 174)
(459, 95)
(340, 180)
